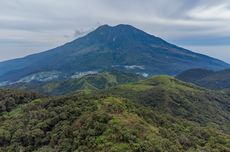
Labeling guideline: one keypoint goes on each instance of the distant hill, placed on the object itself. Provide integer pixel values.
(158, 114)
(88, 82)
(206, 78)
(123, 47)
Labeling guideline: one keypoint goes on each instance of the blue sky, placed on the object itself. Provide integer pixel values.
(30, 26)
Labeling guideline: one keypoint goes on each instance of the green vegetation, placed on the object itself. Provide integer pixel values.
(160, 114)
(180, 99)
(99, 81)
(9, 99)
(219, 80)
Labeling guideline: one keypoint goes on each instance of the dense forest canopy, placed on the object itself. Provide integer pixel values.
(158, 114)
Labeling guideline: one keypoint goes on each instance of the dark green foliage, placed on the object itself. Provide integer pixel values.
(155, 115)
(193, 75)
(212, 80)
(9, 99)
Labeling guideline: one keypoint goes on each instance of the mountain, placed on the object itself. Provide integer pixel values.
(157, 114)
(88, 82)
(213, 80)
(123, 47)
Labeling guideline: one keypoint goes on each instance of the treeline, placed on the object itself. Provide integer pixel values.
(9, 99)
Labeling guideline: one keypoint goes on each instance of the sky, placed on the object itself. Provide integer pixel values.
(31, 26)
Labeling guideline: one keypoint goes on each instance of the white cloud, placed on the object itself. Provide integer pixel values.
(47, 23)
(220, 52)
(217, 12)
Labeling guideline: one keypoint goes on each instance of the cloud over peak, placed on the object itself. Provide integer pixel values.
(42, 24)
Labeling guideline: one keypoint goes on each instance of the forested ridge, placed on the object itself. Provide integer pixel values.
(157, 114)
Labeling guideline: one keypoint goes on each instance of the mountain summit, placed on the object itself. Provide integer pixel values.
(123, 36)
(122, 47)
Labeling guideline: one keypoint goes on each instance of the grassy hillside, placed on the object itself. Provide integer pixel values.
(103, 80)
(166, 94)
(154, 115)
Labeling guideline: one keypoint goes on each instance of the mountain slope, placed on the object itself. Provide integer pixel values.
(130, 117)
(89, 82)
(179, 99)
(122, 46)
(213, 80)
